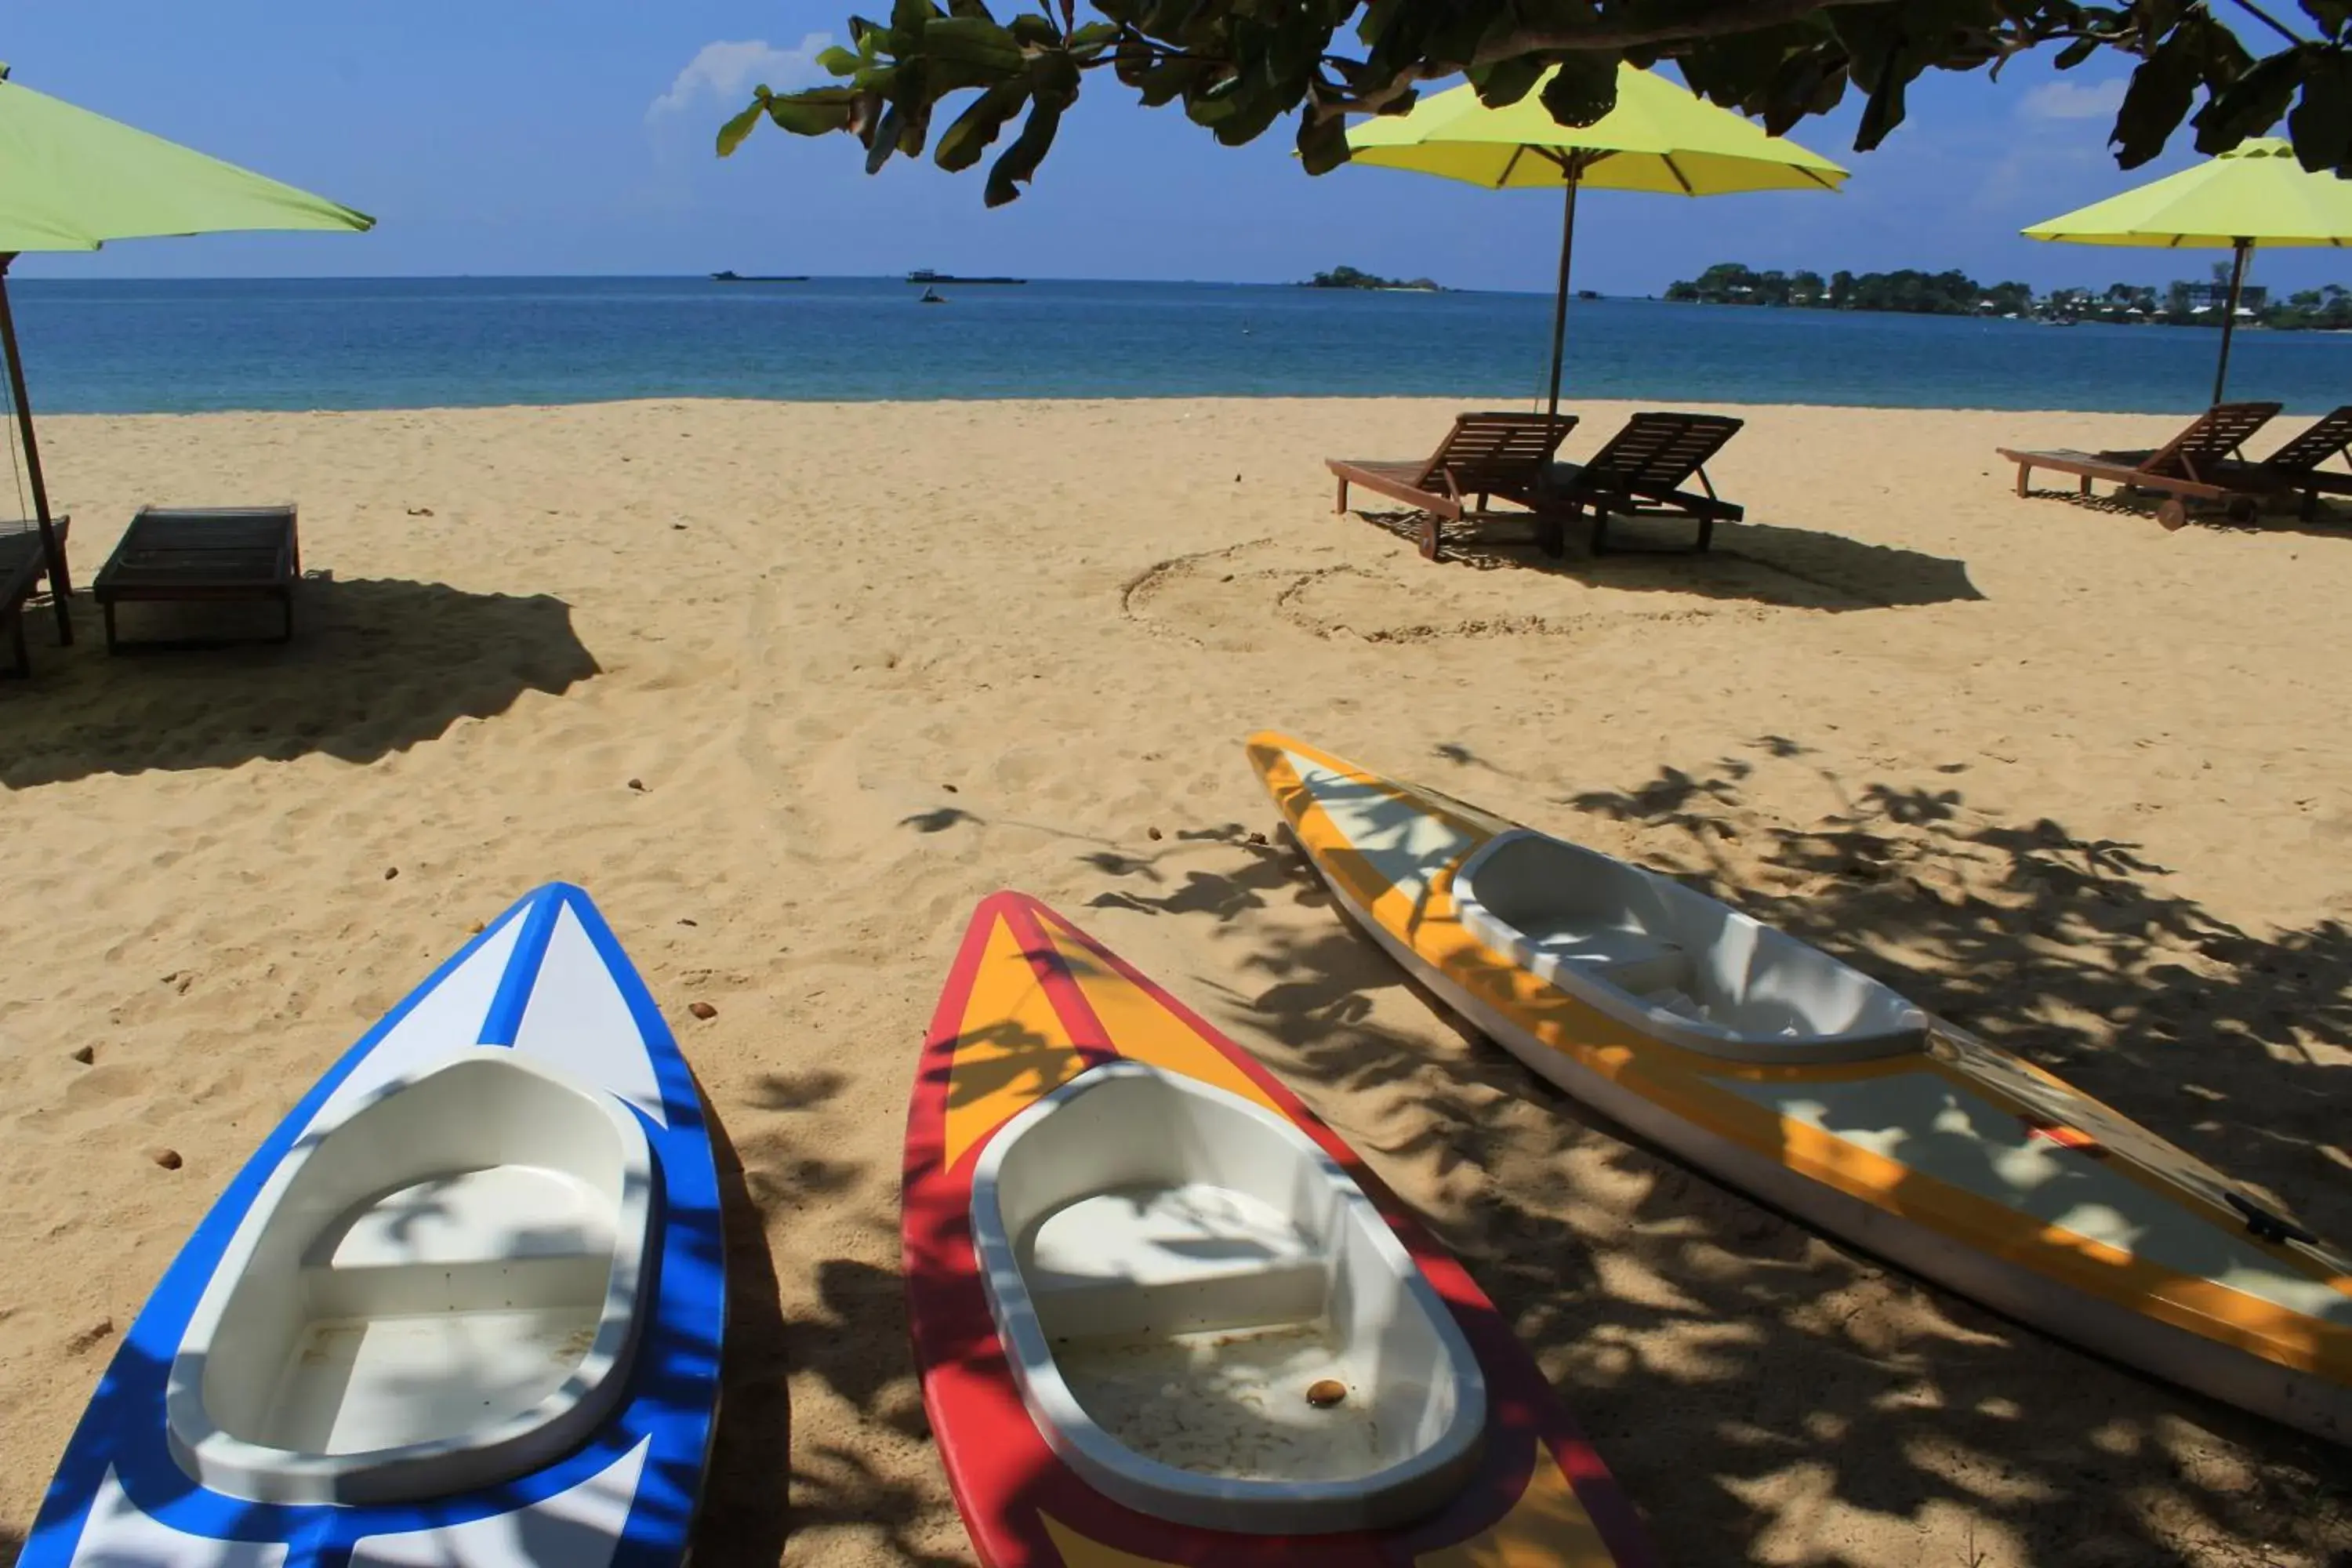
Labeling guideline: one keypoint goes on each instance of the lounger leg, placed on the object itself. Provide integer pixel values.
(1706, 534)
(109, 626)
(1600, 530)
(1427, 534)
(1551, 535)
(2086, 484)
(2023, 474)
(16, 640)
(1341, 504)
(285, 603)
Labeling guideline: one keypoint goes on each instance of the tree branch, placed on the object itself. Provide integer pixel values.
(2273, 23)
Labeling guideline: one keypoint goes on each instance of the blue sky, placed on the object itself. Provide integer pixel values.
(525, 136)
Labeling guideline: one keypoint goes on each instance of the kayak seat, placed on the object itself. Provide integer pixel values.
(1149, 1260)
(1629, 958)
(504, 1238)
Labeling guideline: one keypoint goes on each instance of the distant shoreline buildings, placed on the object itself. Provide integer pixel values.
(1954, 293)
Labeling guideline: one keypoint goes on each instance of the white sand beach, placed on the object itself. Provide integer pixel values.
(788, 688)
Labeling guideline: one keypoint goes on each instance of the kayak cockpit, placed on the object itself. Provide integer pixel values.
(437, 1292)
(1209, 1320)
(1671, 962)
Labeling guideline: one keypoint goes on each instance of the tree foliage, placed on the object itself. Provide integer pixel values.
(1237, 66)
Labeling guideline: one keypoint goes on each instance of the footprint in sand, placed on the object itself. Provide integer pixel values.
(1234, 599)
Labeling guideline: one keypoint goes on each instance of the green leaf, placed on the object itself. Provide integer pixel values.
(1017, 163)
(977, 127)
(732, 134)
(1035, 32)
(2075, 53)
(1054, 75)
(973, 40)
(841, 61)
(2155, 101)
(909, 17)
(2321, 124)
(1885, 109)
(1322, 143)
(1504, 83)
(1376, 20)
(2334, 17)
(1583, 89)
(819, 111)
(885, 140)
(1089, 41)
(1163, 84)
(970, 10)
(2249, 105)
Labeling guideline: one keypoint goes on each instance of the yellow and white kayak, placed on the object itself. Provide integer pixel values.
(1796, 1079)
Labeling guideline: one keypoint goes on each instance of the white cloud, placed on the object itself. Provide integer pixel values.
(727, 72)
(2074, 100)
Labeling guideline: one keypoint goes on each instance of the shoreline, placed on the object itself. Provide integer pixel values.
(1519, 401)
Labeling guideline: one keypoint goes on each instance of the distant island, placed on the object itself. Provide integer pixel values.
(1349, 277)
(1955, 293)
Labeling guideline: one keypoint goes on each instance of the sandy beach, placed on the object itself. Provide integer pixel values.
(789, 686)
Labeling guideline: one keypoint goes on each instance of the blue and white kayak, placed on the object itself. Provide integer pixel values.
(462, 1310)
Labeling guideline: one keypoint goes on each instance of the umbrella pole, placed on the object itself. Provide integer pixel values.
(2229, 315)
(1575, 169)
(61, 584)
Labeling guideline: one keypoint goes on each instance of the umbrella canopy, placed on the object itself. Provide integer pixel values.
(1659, 138)
(2255, 195)
(71, 180)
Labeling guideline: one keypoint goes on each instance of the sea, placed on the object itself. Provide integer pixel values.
(121, 346)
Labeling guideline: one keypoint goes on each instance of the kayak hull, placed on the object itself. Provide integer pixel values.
(548, 981)
(2294, 1366)
(1032, 1004)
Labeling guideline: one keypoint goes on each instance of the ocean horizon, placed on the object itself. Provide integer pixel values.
(189, 345)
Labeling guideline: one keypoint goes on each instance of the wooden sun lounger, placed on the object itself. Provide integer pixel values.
(2301, 463)
(1483, 456)
(2196, 465)
(1642, 471)
(203, 554)
(23, 565)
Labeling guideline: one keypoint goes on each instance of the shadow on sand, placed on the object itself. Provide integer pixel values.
(1798, 567)
(1760, 1392)
(376, 667)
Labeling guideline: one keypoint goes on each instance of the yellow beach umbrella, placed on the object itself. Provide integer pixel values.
(1659, 138)
(2254, 194)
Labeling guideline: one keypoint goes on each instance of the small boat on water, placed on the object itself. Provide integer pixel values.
(463, 1307)
(1164, 1317)
(925, 275)
(741, 278)
(1798, 1079)
(933, 296)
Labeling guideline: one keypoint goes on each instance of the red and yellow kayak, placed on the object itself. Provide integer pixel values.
(1040, 1036)
(1955, 1159)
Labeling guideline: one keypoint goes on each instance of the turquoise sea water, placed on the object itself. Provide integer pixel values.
(121, 346)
